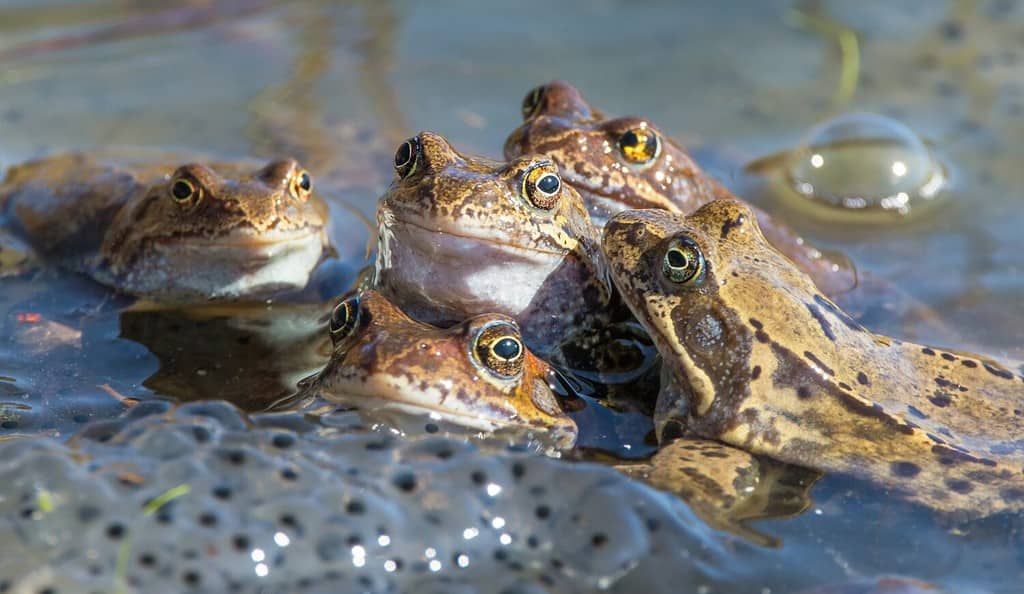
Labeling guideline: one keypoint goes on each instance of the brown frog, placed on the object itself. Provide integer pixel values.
(180, 233)
(726, 486)
(627, 162)
(477, 373)
(760, 359)
(460, 236)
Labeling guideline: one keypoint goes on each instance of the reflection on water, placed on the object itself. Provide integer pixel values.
(338, 85)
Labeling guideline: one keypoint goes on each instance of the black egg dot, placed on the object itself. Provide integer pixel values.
(305, 182)
(431, 428)
(549, 184)
(164, 516)
(479, 477)
(518, 470)
(181, 190)
(542, 512)
(88, 513)
(288, 520)
(404, 481)
(222, 492)
(355, 507)
(289, 474)
(677, 259)
(599, 539)
(115, 531)
(147, 560)
(208, 519)
(282, 441)
(241, 542)
(191, 579)
(507, 348)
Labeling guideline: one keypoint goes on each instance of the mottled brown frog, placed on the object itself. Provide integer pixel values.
(477, 373)
(460, 236)
(180, 233)
(760, 359)
(627, 162)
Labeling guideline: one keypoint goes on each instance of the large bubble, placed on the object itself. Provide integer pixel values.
(865, 162)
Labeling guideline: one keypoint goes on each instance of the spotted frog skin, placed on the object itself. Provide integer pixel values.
(623, 163)
(477, 373)
(460, 236)
(725, 485)
(760, 359)
(170, 232)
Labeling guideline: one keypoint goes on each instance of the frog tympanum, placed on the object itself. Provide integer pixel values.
(760, 359)
(477, 373)
(182, 233)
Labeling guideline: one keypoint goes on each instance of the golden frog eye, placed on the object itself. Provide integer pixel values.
(302, 185)
(541, 185)
(532, 101)
(407, 157)
(344, 320)
(185, 193)
(640, 145)
(684, 263)
(501, 350)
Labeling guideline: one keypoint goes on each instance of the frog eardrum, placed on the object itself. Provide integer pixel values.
(500, 349)
(684, 263)
(541, 185)
(344, 319)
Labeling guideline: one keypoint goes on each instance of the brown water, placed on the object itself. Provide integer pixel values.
(339, 85)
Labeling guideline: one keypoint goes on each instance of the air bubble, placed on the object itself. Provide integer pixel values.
(867, 163)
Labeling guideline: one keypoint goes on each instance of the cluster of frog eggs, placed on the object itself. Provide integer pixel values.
(198, 498)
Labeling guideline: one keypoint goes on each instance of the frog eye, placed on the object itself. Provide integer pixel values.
(185, 193)
(344, 320)
(533, 101)
(301, 185)
(640, 145)
(684, 262)
(406, 158)
(542, 186)
(501, 350)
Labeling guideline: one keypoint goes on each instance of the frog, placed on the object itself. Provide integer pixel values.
(757, 357)
(619, 163)
(463, 235)
(477, 373)
(179, 231)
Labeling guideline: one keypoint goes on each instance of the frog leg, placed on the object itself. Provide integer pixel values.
(672, 408)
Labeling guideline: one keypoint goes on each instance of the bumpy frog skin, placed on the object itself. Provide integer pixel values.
(623, 163)
(477, 374)
(460, 236)
(761, 360)
(171, 233)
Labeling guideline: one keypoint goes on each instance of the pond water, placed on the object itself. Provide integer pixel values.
(339, 85)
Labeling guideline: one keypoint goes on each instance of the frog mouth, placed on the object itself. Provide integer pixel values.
(492, 240)
(251, 240)
(408, 399)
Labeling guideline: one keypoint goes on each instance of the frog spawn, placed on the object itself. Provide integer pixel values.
(199, 499)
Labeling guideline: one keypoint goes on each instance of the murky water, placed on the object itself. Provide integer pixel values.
(339, 85)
